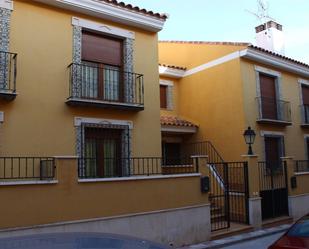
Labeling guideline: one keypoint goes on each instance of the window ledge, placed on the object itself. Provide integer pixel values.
(136, 178)
(305, 125)
(7, 95)
(274, 122)
(104, 104)
(16, 183)
(302, 173)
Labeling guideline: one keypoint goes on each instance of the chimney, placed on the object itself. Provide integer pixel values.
(270, 37)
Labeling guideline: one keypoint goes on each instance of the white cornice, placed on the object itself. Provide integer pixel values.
(171, 72)
(6, 4)
(109, 12)
(271, 60)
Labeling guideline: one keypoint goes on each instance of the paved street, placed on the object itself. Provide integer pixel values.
(260, 243)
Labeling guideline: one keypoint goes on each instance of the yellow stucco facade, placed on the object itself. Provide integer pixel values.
(38, 122)
(218, 92)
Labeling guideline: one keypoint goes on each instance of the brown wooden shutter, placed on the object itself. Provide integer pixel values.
(305, 91)
(268, 96)
(163, 96)
(101, 49)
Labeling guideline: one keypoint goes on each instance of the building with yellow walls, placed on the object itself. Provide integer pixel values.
(211, 92)
(221, 88)
(80, 143)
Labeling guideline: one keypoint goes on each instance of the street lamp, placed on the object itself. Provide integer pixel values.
(249, 136)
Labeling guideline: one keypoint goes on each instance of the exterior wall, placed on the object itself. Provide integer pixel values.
(118, 205)
(38, 122)
(193, 55)
(213, 100)
(294, 134)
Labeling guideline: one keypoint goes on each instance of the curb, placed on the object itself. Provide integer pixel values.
(239, 238)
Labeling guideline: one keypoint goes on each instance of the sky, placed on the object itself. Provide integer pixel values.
(231, 20)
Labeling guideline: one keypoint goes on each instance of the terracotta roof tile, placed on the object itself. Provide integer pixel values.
(208, 43)
(278, 55)
(135, 9)
(174, 67)
(175, 121)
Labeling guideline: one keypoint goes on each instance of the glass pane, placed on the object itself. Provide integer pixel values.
(90, 78)
(90, 158)
(111, 83)
(109, 157)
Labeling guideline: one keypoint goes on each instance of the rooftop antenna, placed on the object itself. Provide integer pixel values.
(262, 12)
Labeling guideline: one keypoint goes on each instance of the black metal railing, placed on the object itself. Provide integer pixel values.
(126, 167)
(98, 82)
(274, 109)
(202, 148)
(301, 166)
(305, 114)
(8, 71)
(27, 168)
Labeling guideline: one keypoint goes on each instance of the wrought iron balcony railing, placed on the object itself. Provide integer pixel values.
(273, 110)
(8, 72)
(105, 86)
(126, 167)
(305, 114)
(301, 166)
(26, 168)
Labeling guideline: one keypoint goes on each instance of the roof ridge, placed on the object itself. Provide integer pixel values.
(117, 3)
(206, 42)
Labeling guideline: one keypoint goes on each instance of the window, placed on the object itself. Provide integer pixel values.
(268, 97)
(102, 64)
(163, 96)
(305, 98)
(102, 152)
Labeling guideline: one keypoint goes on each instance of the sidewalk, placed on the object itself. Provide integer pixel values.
(239, 238)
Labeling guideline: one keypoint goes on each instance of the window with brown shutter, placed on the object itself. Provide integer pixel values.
(163, 97)
(305, 95)
(268, 97)
(102, 58)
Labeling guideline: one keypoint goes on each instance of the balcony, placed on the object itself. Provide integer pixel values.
(8, 71)
(105, 86)
(305, 116)
(274, 111)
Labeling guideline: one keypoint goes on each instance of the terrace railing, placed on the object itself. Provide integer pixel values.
(27, 168)
(301, 166)
(126, 167)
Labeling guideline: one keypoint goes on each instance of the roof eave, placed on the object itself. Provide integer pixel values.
(110, 12)
(274, 61)
(171, 72)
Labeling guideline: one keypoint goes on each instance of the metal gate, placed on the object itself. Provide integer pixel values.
(273, 189)
(228, 194)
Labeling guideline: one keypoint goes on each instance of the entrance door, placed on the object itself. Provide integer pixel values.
(102, 152)
(268, 97)
(273, 180)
